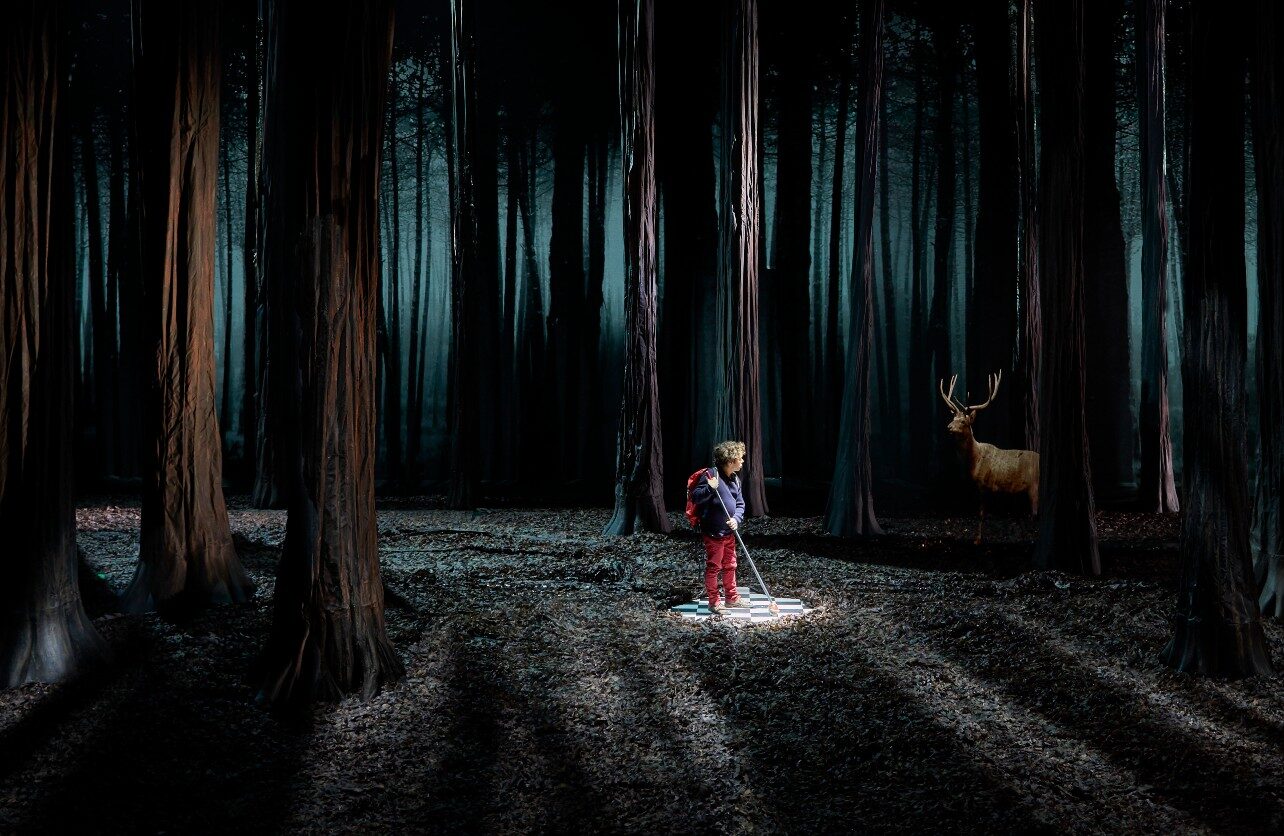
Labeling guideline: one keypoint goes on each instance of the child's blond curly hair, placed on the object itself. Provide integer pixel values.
(727, 451)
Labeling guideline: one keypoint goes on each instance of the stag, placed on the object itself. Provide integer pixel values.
(992, 470)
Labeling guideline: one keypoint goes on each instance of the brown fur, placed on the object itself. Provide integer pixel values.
(990, 468)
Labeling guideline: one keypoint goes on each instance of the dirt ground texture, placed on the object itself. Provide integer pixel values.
(938, 686)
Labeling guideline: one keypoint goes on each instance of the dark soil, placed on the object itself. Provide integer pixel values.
(938, 687)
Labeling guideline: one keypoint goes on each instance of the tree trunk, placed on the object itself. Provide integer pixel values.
(922, 416)
(1268, 148)
(639, 463)
(1217, 629)
(1025, 391)
(850, 510)
(225, 393)
(465, 279)
(739, 246)
(249, 257)
(186, 559)
(892, 407)
(326, 88)
(1109, 415)
(414, 405)
(103, 325)
(995, 295)
(566, 295)
(691, 370)
(592, 438)
(531, 328)
(1067, 525)
(793, 243)
(45, 635)
(392, 389)
(831, 366)
(941, 363)
(1157, 490)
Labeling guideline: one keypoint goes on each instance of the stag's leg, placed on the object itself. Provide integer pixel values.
(980, 526)
(1033, 493)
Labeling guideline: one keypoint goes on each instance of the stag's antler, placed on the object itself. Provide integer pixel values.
(949, 399)
(993, 381)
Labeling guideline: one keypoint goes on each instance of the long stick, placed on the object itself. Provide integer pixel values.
(745, 549)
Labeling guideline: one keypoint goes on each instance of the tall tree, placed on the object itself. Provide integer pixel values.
(392, 388)
(739, 245)
(45, 635)
(892, 407)
(793, 239)
(103, 326)
(560, 412)
(639, 464)
(1067, 524)
(948, 59)
(1216, 626)
(850, 510)
(326, 86)
(1268, 149)
(831, 378)
(414, 387)
(1109, 415)
(1157, 489)
(186, 558)
(1024, 403)
(250, 244)
(994, 295)
(690, 367)
(920, 372)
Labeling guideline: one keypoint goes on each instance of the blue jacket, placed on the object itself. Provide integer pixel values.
(713, 520)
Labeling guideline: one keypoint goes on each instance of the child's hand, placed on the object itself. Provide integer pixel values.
(713, 482)
(733, 524)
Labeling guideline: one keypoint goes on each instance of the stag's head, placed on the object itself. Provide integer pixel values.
(961, 423)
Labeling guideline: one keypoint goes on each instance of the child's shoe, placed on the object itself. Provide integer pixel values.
(715, 607)
(739, 604)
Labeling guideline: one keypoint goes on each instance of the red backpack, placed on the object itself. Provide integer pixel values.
(693, 514)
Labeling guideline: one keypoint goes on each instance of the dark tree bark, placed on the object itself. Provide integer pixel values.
(249, 250)
(186, 559)
(1025, 388)
(103, 326)
(326, 88)
(124, 295)
(639, 464)
(793, 243)
(922, 417)
(1157, 490)
(938, 326)
(1067, 524)
(831, 365)
(997, 255)
(816, 465)
(1216, 627)
(739, 245)
(1268, 149)
(465, 280)
(392, 388)
(45, 635)
(225, 391)
(1109, 416)
(560, 411)
(689, 363)
(414, 403)
(892, 407)
(531, 324)
(850, 510)
(592, 438)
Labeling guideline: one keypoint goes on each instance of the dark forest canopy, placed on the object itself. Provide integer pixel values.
(554, 250)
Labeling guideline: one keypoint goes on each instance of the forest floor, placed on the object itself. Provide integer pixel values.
(938, 686)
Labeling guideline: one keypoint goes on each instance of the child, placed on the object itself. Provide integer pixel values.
(716, 529)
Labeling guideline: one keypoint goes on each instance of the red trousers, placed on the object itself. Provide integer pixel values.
(720, 559)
